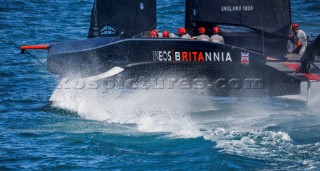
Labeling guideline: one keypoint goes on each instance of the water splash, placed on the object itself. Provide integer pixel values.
(314, 100)
(150, 110)
(238, 126)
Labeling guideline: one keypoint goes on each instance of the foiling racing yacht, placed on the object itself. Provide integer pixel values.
(252, 62)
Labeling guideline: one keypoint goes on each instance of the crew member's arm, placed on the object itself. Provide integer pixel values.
(298, 44)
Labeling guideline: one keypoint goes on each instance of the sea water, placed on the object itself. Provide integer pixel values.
(91, 129)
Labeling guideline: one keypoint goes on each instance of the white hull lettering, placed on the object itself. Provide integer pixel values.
(228, 58)
(163, 56)
(176, 56)
(216, 56)
(208, 56)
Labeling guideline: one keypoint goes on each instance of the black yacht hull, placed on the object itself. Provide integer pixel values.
(94, 56)
(215, 69)
(216, 80)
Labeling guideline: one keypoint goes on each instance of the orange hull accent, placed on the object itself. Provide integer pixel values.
(34, 47)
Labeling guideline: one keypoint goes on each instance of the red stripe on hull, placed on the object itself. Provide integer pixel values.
(295, 67)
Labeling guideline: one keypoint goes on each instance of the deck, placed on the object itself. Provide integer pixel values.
(291, 67)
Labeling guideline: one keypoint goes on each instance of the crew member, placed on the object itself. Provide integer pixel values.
(165, 34)
(202, 36)
(183, 33)
(154, 33)
(300, 38)
(171, 35)
(216, 37)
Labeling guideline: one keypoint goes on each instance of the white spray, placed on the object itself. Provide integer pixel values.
(237, 125)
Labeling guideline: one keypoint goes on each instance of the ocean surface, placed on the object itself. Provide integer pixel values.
(90, 130)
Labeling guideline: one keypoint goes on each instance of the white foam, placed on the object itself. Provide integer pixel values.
(254, 143)
(150, 110)
(237, 127)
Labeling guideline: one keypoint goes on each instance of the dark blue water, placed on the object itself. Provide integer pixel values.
(153, 131)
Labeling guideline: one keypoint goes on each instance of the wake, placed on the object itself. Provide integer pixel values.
(257, 128)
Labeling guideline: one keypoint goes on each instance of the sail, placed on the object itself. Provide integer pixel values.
(270, 16)
(267, 22)
(125, 17)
